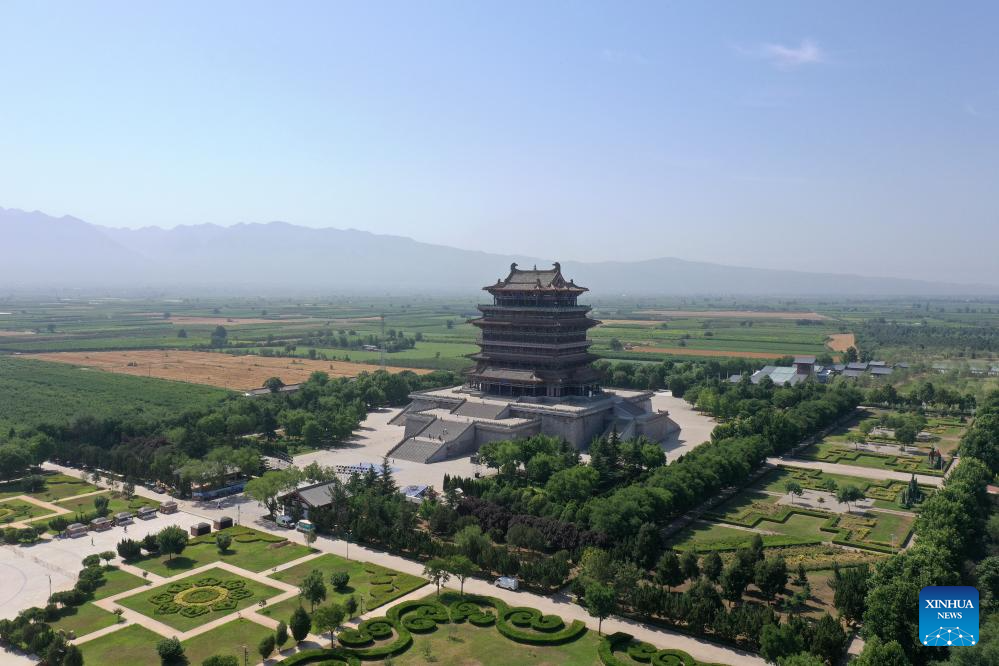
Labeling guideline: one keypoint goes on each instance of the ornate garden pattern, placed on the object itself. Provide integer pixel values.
(199, 597)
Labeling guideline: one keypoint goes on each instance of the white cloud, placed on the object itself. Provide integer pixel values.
(973, 111)
(783, 56)
(623, 57)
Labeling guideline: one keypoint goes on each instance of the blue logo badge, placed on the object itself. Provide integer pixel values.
(948, 615)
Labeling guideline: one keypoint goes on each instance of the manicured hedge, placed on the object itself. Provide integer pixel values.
(642, 652)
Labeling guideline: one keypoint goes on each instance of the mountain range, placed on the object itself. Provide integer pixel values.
(40, 252)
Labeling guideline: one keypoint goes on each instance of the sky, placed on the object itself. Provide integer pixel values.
(851, 137)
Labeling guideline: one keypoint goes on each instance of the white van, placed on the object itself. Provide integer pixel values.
(507, 583)
(285, 521)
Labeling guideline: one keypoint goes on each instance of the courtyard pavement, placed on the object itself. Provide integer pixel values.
(695, 427)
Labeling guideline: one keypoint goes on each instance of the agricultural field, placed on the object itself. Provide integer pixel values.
(37, 392)
(210, 368)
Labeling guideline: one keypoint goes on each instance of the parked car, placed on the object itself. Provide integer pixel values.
(507, 583)
(285, 521)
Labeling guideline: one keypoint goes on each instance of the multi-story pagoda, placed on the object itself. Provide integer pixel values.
(533, 338)
(534, 374)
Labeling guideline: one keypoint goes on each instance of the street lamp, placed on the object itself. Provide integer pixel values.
(50, 583)
(245, 656)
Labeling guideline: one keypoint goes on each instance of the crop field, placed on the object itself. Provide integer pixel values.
(37, 392)
(211, 368)
(736, 314)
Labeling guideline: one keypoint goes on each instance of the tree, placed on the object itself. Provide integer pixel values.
(777, 641)
(987, 574)
(269, 485)
(770, 576)
(905, 434)
(221, 660)
(828, 639)
(734, 580)
(878, 653)
(339, 580)
(313, 589)
(688, 565)
(668, 570)
(222, 541)
(849, 493)
(281, 635)
(648, 543)
(801, 659)
(300, 624)
(129, 549)
(72, 656)
(107, 556)
(600, 602)
(170, 650)
(329, 618)
(461, 568)
(850, 592)
(101, 504)
(273, 384)
(436, 570)
(793, 488)
(219, 336)
(171, 541)
(471, 542)
(711, 566)
(266, 646)
(182, 333)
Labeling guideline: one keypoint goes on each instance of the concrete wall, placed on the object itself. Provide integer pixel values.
(463, 445)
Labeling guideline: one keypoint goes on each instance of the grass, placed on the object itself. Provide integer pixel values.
(361, 574)
(467, 644)
(839, 453)
(133, 645)
(82, 620)
(228, 639)
(115, 582)
(886, 494)
(143, 603)
(57, 487)
(251, 549)
(16, 510)
(37, 392)
(712, 536)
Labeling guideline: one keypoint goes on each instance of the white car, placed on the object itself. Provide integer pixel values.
(285, 521)
(507, 583)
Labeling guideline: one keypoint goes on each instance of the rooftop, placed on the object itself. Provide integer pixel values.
(534, 279)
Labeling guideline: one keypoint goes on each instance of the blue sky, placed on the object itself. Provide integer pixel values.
(849, 137)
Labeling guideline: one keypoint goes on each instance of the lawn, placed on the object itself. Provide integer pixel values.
(82, 620)
(132, 645)
(889, 524)
(57, 486)
(703, 537)
(467, 644)
(886, 494)
(16, 510)
(371, 584)
(251, 549)
(845, 454)
(228, 639)
(116, 581)
(194, 600)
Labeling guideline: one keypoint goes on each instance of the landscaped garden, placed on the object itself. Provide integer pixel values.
(706, 536)
(116, 581)
(250, 549)
(845, 454)
(55, 487)
(370, 584)
(229, 639)
(133, 645)
(886, 494)
(84, 509)
(199, 598)
(17, 510)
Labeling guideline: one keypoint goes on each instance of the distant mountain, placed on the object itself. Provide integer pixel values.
(39, 251)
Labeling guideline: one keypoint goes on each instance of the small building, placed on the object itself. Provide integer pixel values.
(76, 530)
(146, 512)
(779, 374)
(804, 365)
(880, 371)
(123, 518)
(169, 507)
(101, 524)
(416, 494)
(200, 529)
(307, 498)
(857, 365)
(222, 523)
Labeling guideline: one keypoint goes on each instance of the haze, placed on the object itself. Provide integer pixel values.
(855, 138)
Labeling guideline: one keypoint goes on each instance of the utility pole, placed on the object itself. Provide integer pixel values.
(382, 345)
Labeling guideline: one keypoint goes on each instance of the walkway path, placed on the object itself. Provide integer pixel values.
(853, 470)
(252, 513)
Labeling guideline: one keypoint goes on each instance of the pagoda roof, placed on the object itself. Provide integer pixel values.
(531, 280)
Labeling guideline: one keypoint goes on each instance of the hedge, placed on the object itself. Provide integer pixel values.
(642, 652)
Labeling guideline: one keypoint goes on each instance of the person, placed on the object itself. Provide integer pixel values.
(91, 541)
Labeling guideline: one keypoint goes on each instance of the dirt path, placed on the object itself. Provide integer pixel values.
(212, 368)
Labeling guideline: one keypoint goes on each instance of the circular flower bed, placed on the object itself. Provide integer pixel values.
(200, 597)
